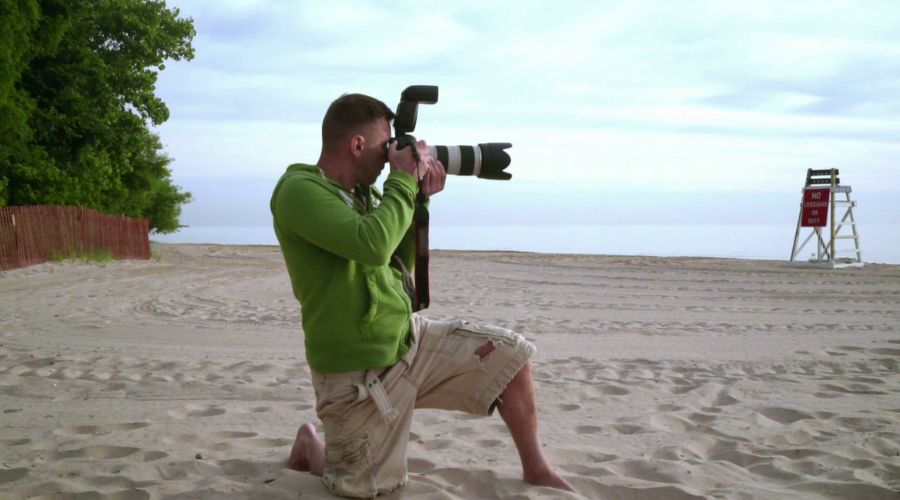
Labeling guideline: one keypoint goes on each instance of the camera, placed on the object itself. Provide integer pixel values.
(485, 161)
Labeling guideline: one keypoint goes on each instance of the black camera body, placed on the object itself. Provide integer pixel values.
(485, 161)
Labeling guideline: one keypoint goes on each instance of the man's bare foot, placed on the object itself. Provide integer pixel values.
(308, 452)
(549, 478)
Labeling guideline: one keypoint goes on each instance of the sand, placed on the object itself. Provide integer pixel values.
(185, 377)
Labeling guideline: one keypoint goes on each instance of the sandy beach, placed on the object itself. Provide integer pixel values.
(185, 377)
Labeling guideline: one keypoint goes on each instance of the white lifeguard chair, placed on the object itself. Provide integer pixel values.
(819, 208)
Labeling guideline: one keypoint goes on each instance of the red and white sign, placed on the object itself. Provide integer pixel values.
(815, 207)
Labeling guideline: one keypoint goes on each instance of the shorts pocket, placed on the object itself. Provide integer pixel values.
(348, 467)
(487, 332)
(335, 402)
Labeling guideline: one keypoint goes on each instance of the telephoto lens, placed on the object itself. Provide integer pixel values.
(485, 161)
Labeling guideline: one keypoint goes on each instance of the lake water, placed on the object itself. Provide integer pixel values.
(880, 243)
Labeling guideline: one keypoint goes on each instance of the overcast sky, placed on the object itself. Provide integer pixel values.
(619, 112)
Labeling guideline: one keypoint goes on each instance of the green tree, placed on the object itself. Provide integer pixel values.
(78, 96)
(17, 22)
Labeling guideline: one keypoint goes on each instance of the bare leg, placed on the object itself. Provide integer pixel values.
(308, 453)
(519, 411)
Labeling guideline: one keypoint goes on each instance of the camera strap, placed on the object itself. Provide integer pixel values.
(420, 227)
(421, 296)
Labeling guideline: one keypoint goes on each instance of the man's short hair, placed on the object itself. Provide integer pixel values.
(348, 114)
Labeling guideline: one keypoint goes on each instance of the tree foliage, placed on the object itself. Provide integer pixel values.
(77, 98)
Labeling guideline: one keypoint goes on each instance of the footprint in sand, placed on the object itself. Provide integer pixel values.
(241, 468)
(886, 351)
(437, 444)
(653, 471)
(882, 446)
(498, 428)
(420, 466)
(464, 431)
(114, 386)
(193, 410)
(850, 348)
(784, 415)
(233, 435)
(770, 471)
(220, 447)
(612, 390)
(95, 430)
(584, 457)
(724, 399)
(855, 388)
(181, 439)
(45, 372)
(867, 380)
(150, 456)
(682, 389)
(264, 442)
(857, 424)
(20, 371)
(670, 423)
(702, 418)
(97, 452)
(40, 362)
(680, 452)
(569, 407)
(10, 475)
(14, 442)
(173, 471)
(588, 429)
(628, 429)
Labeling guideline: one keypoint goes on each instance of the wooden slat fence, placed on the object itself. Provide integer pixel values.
(32, 234)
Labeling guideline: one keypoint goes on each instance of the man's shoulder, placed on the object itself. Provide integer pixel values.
(299, 179)
(302, 170)
(301, 174)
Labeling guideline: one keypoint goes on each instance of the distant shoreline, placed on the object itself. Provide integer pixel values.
(440, 251)
(879, 243)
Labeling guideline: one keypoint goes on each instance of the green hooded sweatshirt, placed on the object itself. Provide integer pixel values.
(338, 246)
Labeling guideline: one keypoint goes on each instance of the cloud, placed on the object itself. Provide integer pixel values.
(721, 95)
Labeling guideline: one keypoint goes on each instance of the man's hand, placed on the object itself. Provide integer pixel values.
(403, 160)
(430, 171)
(435, 177)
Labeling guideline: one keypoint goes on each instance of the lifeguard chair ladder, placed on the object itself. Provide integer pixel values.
(819, 208)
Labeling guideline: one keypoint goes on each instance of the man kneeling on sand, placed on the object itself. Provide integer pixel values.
(347, 248)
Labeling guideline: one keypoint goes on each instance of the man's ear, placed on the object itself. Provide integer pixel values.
(357, 144)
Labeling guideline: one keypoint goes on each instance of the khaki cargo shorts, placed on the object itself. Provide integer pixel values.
(367, 414)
